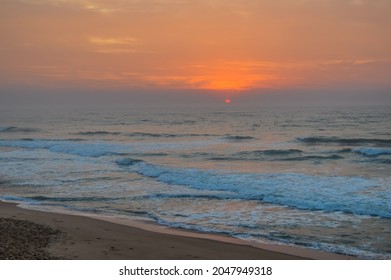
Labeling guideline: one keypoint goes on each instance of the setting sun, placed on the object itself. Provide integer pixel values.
(227, 101)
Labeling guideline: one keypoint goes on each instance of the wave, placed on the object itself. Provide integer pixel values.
(270, 152)
(98, 148)
(144, 134)
(356, 195)
(61, 201)
(70, 199)
(316, 140)
(18, 199)
(90, 133)
(185, 122)
(314, 157)
(382, 161)
(18, 129)
(128, 161)
(152, 154)
(343, 151)
(153, 135)
(238, 138)
(183, 195)
(372, 151)
(225, 158)
(73, 147)
(167, 135)
(274, 155)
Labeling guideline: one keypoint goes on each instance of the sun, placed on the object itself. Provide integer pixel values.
(227, 101)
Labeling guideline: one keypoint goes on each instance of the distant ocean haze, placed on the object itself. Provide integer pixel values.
(312, 177)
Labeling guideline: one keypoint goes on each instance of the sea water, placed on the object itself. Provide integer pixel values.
(310, 177)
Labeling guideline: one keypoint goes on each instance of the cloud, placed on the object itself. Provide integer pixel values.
(116, 51)
(116, 45)
(272, 44)
(209, 78)
(100, 41)
(347, 62)
(103, 7)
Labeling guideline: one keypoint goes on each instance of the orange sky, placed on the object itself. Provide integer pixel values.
(213, 45)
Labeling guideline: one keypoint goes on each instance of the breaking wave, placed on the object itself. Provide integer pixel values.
(98, 148)
(372, 151)
(356, 195)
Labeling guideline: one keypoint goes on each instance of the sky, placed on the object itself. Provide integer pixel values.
(254, 51)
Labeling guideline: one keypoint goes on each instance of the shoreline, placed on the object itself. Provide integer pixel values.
(98, 237)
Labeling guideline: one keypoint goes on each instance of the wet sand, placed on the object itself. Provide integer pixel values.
(32, 234)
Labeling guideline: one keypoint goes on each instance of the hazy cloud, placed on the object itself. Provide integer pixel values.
(113, 41)
(103, 7)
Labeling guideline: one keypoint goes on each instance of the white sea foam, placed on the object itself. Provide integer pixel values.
(357, 195)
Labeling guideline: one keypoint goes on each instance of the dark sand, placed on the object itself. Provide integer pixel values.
(22, 240)
(31, 234)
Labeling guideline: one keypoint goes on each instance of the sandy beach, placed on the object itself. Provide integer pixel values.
(31, 234)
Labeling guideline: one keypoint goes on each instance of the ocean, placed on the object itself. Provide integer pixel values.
(314, 177)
